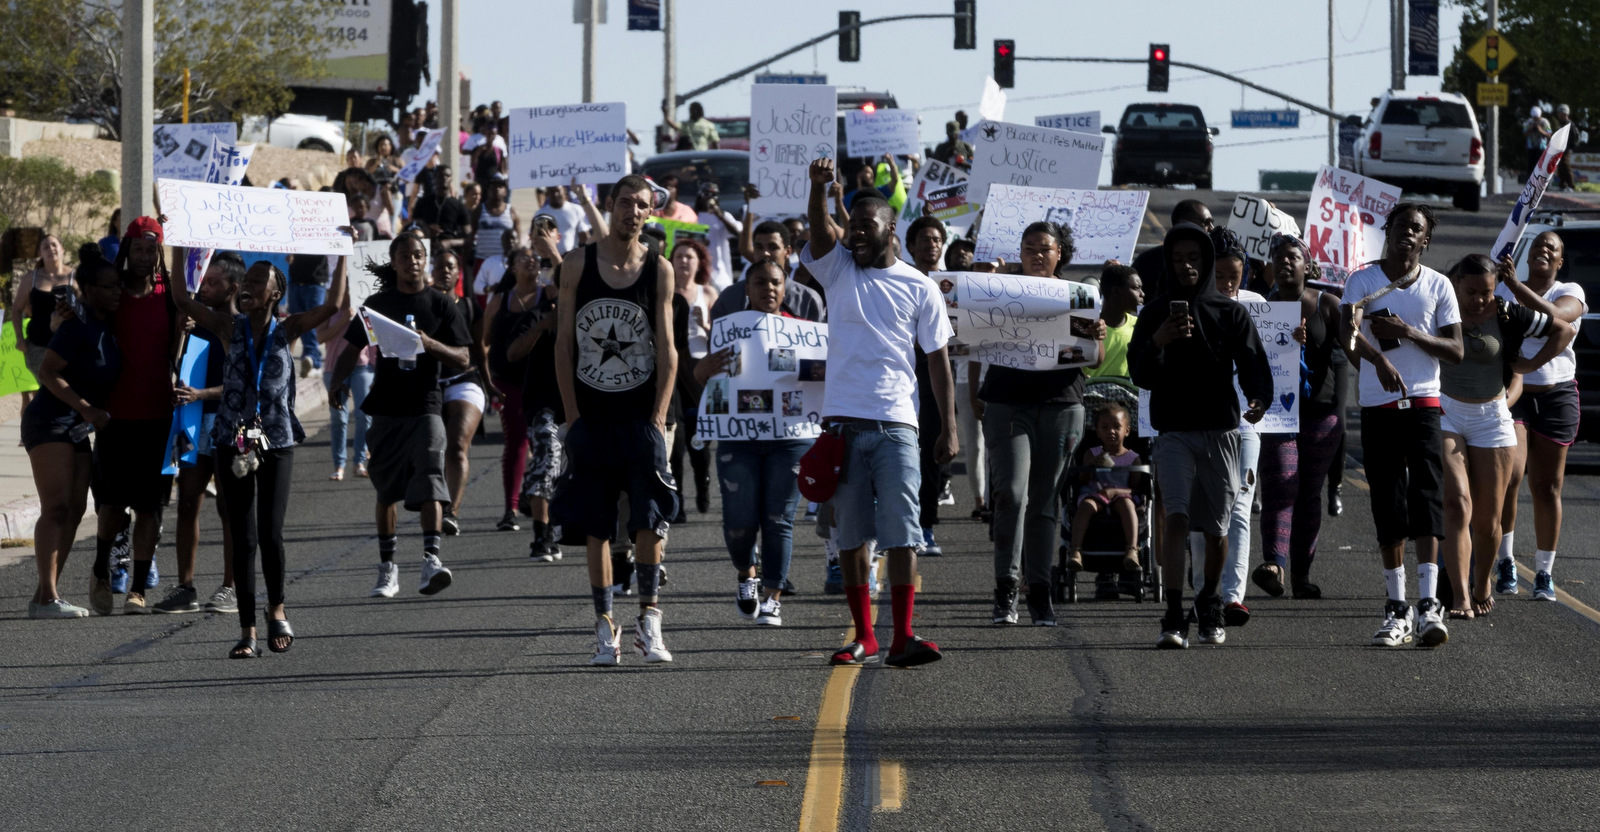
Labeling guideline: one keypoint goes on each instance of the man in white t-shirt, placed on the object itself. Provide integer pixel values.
(721, 227)
(882, 310)
(569, 219)
(1409, 322)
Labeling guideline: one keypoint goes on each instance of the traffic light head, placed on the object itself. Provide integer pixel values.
(966, 24)
(850, 40)
(1005, 56)
(1160, 65)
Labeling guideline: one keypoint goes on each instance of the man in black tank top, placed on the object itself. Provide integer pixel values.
(615, 366)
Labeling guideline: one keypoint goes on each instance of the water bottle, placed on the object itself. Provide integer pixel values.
(409, 362)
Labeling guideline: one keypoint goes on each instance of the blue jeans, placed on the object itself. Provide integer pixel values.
(759, 493)
(877, 494)
(342, 412)
(301, 298)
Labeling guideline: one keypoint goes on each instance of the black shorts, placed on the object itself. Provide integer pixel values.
(128, 457)
(406, 460)
(39, 431)
(604, 461)
(1552, 414)
(1403, 451)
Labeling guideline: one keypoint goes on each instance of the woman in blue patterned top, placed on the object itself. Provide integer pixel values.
(256, 431)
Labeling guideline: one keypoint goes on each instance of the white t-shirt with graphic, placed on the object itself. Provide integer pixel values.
(1428, 305)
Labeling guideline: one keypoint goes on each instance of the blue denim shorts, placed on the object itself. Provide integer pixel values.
(877, 494)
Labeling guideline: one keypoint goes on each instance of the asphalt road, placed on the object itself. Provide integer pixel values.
(475, 709)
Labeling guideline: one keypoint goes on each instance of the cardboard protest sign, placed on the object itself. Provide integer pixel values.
(271, 220)
(1344, 222)
(930, 177)
(1532, 193)
(551, 145)
(950, 204)
(1255, 220)
(1026, 323)
(419, 159)
(1105, 224)
(14, 374)
(790, 125)
(1275, 324)
(774, 388)
(183, 151)
(872, 134)
(1039, 157)
(1085, 122)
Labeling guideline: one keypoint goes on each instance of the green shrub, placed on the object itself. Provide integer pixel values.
(43, 191)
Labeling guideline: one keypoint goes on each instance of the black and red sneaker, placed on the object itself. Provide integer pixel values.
(917, 651)
(1236, 614)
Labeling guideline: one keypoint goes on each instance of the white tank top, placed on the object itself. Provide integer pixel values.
(1564, 367)
(700, 337)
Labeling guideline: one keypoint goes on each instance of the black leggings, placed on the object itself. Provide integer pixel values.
(257, 501)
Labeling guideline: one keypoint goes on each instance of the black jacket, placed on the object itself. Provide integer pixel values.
(1191, 380)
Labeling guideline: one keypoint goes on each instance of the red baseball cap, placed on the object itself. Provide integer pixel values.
(146, 227)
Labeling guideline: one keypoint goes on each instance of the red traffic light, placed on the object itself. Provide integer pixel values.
(1159, 54)
(1004, 48)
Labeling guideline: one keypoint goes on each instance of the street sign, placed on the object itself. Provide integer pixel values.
(791, 78)
(1492, 53)
(1494, 95)
(1243, 119)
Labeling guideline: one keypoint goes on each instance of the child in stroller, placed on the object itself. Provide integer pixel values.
(1104, 489)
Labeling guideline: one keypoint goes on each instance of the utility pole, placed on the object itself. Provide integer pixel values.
(1397, 44)
(1491, 136)
(1333, 123)
(669, 73)
(450, 86)
(591, 18)
(138, 108)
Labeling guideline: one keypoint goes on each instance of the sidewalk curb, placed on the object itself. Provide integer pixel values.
(18, 517)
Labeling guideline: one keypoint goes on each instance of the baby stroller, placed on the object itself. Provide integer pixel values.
(1103, 544)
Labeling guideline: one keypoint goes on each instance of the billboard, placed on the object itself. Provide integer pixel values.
(358, 56)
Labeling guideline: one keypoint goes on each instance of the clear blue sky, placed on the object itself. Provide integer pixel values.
(527, 52)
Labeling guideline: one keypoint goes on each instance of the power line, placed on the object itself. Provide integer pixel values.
(1318, 137)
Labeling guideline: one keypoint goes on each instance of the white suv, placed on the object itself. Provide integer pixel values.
(1424, 142)
(295, 131)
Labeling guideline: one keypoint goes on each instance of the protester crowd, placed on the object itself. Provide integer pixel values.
(592, 344)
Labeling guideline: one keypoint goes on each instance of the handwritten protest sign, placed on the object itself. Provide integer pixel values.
(1027, 323)
(1532, 193)
(1275, 324)
(1344, 222)
(14, 374)
(270, 220)
(790, 124)
(872, 134)
(1039, 157)
(774, 388)
(183, 151)
(1255, 220)
(551, 145)
(226, 167)
(930, 177)
(423, 155)
(1105, 224)
(1085, 122)
(950, 204)
(361, 279)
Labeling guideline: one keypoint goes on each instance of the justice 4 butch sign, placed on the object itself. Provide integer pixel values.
(790, 125)
(773, 389)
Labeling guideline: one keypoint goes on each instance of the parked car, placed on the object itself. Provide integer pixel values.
(733, 132)
(1161, 144)
(1424, 142)
(1580, 233)
(294, 131)
(730, 169)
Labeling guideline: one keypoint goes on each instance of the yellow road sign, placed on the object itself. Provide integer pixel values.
(1494, 95)
(1492, 53)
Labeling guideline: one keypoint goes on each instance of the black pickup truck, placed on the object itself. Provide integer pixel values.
(1162, 144)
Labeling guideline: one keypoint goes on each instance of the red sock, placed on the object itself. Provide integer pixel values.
(861, 611)
(904, 598)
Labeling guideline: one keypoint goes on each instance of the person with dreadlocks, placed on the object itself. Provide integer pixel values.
(255, 432)
(128, 454)
(407, 438)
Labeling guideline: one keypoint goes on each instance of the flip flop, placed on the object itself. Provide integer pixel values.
(1269, 577)
(279, 628)
(245, 649)
(853, 654)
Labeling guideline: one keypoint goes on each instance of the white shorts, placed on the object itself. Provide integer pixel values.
(471, 393)
(1486, 425)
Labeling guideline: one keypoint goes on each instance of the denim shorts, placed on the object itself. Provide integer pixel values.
(877, 494)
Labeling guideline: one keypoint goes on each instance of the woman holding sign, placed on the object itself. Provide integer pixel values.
(1032, 421)
(759, 488)
(255, 433)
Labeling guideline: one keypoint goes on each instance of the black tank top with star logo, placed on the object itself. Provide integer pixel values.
(615, 370)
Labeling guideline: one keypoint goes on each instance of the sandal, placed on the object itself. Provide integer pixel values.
(1483, 606)
(1269, 576)
(361, 470)
(337, 475)
(1075, 561)
(853, 654)
(245, 649)
(279, 628)
(1460, 615)
(1130, 562)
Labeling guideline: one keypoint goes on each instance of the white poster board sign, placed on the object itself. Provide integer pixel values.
(1344, 222)
(1275, 324)
(790, 125)
(551, 145)
(1084, 122)
(869, 135)
(270, 220)
(1255, 220)
(1038, 157)
(1026, 323)
(1532, 193)
(420, 158)
(1105, 224)
(991, 107)
(774, 388)
(930, 177)
(363, 283)
(183, 151)
(226, 166)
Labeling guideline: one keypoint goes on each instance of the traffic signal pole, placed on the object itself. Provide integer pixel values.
(1206, 69)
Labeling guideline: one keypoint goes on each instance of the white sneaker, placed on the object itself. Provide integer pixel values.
(58, 608)
(771, 613)
(388, 584)
(749, 598)
(434, 576)
(1432, 631)
(647, 637)
(607, 643)
(1399, 625)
